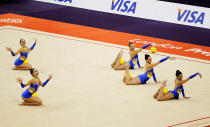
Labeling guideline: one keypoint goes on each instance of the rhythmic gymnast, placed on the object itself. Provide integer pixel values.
(161, 96)
(149, 65)
(30, 96)
(119, 62)
(140, 79)
(149, 72)
(22, 62)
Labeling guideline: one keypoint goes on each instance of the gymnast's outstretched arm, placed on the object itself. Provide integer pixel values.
(13, 54)
(45, 83)
(187, 79)
(32, 47)
(20, 80)
(139, 50)
(161, 61)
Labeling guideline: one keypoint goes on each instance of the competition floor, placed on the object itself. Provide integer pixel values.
(86, 92)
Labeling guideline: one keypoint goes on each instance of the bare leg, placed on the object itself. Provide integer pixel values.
(114, 62)
(133, 81)
(124, 78)
(120, 67)
(118, 59)
(129, 80)
(162, 97)
(117, 65)
(32, 101)
(156, 93)
(23, 66)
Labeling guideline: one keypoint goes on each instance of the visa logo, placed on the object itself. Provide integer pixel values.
(191, 16)
(70, 1)
(124, 6)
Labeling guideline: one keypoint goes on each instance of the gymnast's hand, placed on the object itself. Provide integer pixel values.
(153, 45)
(50, 76)
(35, 40)
(20, 80)
(200, 75)
(157, 81)
(172, 58)
(8, 49)
(186, 97)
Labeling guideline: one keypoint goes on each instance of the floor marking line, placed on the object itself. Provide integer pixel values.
(94, 43)
(189, 121)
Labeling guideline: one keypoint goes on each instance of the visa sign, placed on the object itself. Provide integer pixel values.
(126, 6)
(191, 16)
(70, 1)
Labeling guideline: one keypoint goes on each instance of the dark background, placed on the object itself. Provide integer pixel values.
(201, 3)
(12, 1)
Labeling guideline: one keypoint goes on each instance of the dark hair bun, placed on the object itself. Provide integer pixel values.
(178, 72)
(146, 56)
(31, 71)
(22, 40)
(130, 43)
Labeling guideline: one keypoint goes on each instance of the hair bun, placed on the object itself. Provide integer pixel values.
(130, 43)
(146, 56)
(31, 71)
(178, 72)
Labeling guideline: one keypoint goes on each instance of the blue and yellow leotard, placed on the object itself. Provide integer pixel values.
(144, 77)
(20, 60)
(28, 93)
(153, 75)
(180, 89)
(177, 91)
(132, 64)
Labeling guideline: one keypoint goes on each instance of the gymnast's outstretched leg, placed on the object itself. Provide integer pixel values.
(115, 60)
(161, 96)
(130, 80)
(156, 93)
(118, 65)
